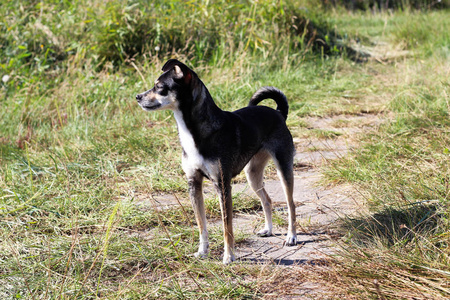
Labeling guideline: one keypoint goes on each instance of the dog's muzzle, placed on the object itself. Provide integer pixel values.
(146, 103)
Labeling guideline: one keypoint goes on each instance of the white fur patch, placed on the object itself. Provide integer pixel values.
(194, 160)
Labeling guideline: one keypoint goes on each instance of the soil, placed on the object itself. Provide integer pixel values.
(318, 205)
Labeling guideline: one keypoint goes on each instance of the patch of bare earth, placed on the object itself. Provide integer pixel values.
(318, 207)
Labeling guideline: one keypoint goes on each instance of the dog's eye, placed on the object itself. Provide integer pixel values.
(161, 89)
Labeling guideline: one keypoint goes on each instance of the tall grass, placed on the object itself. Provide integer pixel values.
(41, 34)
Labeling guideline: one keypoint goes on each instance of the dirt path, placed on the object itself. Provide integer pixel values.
(318, 206)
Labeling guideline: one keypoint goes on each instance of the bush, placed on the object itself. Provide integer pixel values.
(43, 35)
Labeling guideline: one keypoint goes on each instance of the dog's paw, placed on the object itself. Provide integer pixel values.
(228, 258)
(291, 240)
(264, 233)
(201, 254)
(203, 250)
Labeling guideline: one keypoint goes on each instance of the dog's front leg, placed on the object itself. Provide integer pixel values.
(226, 207)
(196, 195)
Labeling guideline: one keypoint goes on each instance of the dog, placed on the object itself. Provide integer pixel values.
(218, 145)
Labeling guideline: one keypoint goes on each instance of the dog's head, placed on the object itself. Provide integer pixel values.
(176, 80)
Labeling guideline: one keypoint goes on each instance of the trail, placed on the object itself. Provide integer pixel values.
(318, 207)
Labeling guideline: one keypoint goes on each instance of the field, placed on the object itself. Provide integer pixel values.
(82, 166)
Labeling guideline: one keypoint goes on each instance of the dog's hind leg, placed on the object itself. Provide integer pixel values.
(284, 164)
(223, 188)
(254, 171)
(196, 195)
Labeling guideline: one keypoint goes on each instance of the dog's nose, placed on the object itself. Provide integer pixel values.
(138, 97)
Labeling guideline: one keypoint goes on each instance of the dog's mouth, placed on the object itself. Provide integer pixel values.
(151, 107)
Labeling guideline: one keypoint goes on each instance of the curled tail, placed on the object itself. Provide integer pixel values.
(272, 93)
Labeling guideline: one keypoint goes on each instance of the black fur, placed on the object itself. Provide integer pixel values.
(272, 93)
(225, 141)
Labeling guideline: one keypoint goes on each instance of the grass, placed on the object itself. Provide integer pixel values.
(81, 164)
(401, 170)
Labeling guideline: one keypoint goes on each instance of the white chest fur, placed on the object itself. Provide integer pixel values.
(193, 160)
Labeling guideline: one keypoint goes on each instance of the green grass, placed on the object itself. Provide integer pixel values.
(79, 160)
(402, 172)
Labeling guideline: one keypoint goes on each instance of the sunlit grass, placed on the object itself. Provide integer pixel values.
(80, 161)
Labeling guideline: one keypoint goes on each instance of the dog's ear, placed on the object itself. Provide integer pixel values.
(170, 64)
(180, 69)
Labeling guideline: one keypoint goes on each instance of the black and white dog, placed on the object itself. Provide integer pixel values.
(218, 144)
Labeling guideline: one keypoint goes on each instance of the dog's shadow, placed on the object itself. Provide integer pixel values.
(283, 259)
